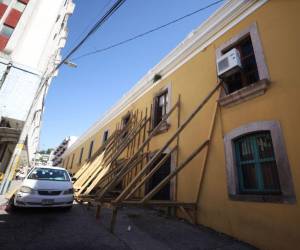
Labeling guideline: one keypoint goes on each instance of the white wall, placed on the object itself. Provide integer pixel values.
(33, 50)
(17, 93)
(32, 42)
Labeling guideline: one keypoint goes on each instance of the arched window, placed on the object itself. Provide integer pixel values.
(257, 164)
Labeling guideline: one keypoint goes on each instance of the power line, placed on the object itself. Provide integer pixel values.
(97, 25)
(93, 21)
(43, 87)
(146, 32)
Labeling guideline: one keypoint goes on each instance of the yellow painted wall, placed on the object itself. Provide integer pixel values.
(265, 225)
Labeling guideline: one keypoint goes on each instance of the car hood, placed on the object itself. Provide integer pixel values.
(47, 185)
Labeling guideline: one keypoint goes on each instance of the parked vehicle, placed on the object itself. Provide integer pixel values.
(45, 186)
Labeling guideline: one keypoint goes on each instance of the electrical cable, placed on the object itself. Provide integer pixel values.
(88, 26)
(115, 7)
(95, 27)
(146, 32)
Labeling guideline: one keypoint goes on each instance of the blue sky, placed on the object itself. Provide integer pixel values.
(78, 97)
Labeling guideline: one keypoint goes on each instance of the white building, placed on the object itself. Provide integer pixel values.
(44, 158)
(32, 33)
(62, 147)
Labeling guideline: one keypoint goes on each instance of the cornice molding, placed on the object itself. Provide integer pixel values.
(228, 15)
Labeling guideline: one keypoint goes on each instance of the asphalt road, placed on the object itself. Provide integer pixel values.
(57, 229)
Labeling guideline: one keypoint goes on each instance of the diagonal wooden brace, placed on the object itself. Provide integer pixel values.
(155, 190)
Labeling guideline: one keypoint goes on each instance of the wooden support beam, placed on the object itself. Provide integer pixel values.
(83, 168)
(173, 173)
(203, 166)
(187, 215)
(147, 177)
(95, 180)
(126, 141)
(98, 211)
(135, 136)
(143, 140)
(137, 160)
(106, 145)
(177, 143)
(78, 183)
(111, 171)
(95, 169)
(127, 168)
(113, 219)
(174, 136)
(160, 203)
(105, 180)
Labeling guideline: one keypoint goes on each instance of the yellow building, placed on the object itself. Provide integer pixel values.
(245, 181)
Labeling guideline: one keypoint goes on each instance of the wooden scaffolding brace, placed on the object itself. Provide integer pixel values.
(123, 199)
(91, 166)
(98, 168)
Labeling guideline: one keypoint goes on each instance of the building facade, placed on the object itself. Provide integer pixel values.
(32, 33)
(62, 147)
(246, 181)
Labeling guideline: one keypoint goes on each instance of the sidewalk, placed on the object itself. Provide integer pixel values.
(15, 184)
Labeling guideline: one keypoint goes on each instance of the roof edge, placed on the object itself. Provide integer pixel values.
(224, 18)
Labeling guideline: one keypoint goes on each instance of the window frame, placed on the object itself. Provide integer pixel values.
(283, 166)
(165, 126)
(6, 27)
(19, 6)
(80, 155)
(7, 2)
(256, 162)
(257, 88)
(90, 150)
(173, 166)
(126, 118)
(106, 132)
(124, 125)
(72, 161)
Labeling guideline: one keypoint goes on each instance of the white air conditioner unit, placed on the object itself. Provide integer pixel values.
(229, 63)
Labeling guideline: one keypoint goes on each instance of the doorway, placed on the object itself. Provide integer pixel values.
(157, 177)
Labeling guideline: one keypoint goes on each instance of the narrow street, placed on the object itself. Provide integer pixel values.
(149, 125)
(78, 229)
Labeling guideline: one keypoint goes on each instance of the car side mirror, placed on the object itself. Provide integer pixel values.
(74, 179)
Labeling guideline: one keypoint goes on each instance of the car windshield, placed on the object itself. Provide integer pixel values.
(49, 174)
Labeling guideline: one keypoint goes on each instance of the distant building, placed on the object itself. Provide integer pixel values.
(44, 158)
(59, 151)
(50, 158)
(32, 34)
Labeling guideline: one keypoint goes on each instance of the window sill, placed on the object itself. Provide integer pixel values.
(244, 94)
(163, 129)
(264, 198)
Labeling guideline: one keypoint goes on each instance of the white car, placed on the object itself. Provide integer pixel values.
(45, 186)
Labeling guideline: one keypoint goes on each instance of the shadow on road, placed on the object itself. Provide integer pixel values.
(59, 229)
(53, 228)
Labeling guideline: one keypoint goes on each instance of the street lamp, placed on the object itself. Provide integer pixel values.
(70, 64)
